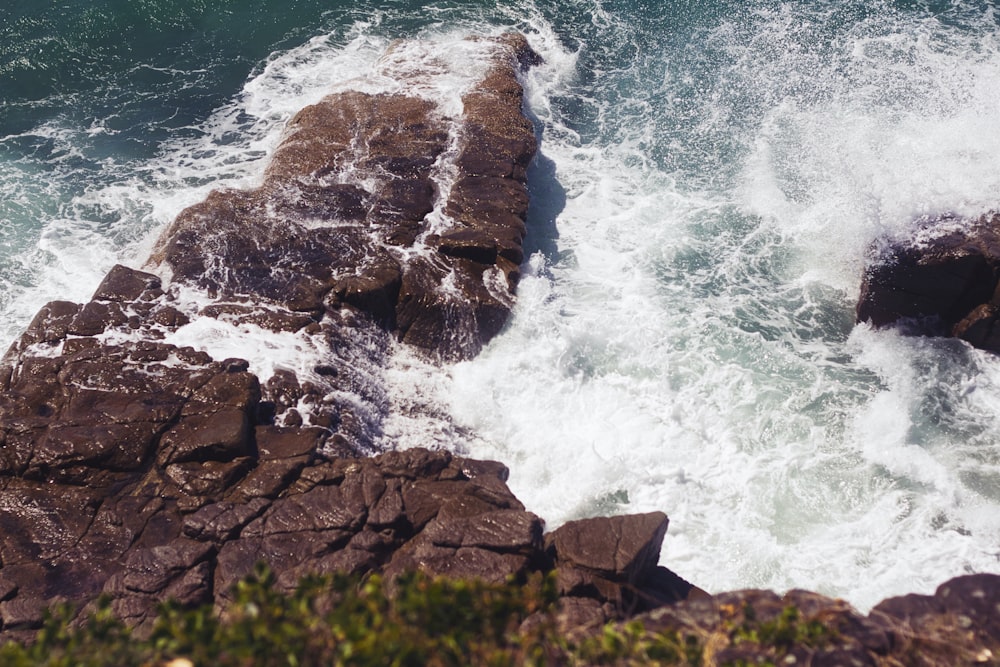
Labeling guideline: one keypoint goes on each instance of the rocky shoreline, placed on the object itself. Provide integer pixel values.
(136, 466)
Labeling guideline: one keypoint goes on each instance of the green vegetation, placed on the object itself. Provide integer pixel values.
(337, 620)
(415, 620)
(776, 638)
(630, 644)
(784, 632)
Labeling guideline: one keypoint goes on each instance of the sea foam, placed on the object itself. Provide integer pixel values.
(686, 342)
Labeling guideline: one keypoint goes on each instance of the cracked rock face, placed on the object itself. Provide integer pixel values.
(382, 204)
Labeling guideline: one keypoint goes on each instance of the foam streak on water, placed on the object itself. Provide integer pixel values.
(710, 178)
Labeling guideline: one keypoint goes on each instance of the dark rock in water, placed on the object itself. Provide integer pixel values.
(356, 200)
(980, 328)
(944, 281)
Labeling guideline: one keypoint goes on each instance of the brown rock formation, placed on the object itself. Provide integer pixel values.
(958, 625)
(139, 468)
(610, 564)
(945, 281)
(380, 204)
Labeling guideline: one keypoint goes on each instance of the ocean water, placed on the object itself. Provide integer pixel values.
(709, 180)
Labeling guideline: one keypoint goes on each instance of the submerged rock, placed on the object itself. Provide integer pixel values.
(944, 281)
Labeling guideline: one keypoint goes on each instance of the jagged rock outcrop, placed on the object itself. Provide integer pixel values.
(383, 204)
(382, 214)
(944, 281)
(958, 625)
(138, 467)
(141, 536)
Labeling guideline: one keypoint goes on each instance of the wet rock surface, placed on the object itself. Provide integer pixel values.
(381, 204)
(944, 281)
(189, 530)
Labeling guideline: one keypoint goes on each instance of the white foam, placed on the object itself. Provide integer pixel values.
(891, 127)
(119, 213)
(687, 347)
(267, 351)
(121, 209)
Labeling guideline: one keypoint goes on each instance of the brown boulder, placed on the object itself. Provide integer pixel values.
(943, 281)
(123, 284)
(614, 560)
(620, 548)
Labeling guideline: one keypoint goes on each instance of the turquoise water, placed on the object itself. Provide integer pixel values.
(710, 177)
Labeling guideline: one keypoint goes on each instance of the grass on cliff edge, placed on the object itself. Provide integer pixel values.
(338, 620)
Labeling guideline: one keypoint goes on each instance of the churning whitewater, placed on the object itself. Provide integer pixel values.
(708, 185)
